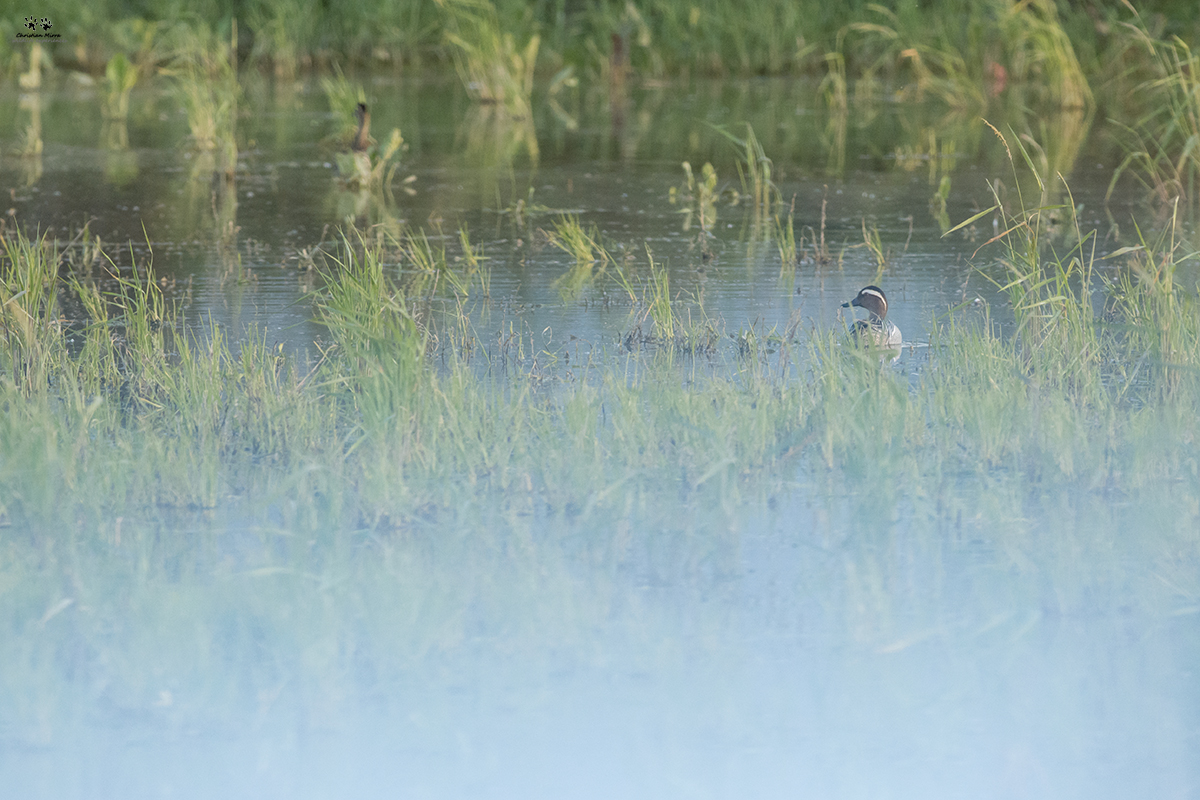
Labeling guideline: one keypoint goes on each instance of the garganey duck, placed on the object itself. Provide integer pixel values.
(875, 329)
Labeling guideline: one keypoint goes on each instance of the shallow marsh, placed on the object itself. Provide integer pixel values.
(339, 512)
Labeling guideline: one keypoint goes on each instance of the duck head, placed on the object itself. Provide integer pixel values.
(873, 300)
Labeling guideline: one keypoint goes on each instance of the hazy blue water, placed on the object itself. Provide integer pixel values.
(697, 661)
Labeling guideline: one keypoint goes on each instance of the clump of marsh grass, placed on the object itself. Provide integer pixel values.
(29, 318)
(121, 76)
(951, 57)
(591, 259)
(38, 58)
(135, 377)
(874, 245)
(1066, 369)
(343, 95)
(1163, 146)
(379, 344)
(937, 204)
(420, 265)
(30, 143)
(785, 240)
(701, 196)
(1039, 49)
(570, 237)
(493, 68)
(204, 69)
(754, 170)
(935, 65)
(473, 260)
(658, 304)
(656, 321)
(281, 28)
(1154, 314)
(1050, 293)
(429, 265)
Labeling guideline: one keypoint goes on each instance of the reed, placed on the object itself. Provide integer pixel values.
(874, 245)
(1154, 314)
(937, 203)
(928, 55)
(570, 237)
(1040, 52)
(474, 262)
(1056, 339)
(379, 345)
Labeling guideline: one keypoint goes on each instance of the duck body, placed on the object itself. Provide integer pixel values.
(362, 136)
(355, 167)
(875, 330)
(881, 335)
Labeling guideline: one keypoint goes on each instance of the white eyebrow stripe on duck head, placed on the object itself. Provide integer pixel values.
(874, 293)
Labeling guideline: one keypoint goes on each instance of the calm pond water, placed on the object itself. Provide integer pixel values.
(790, 644)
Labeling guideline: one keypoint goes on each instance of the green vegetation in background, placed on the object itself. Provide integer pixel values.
(936, 45)
(977, 59)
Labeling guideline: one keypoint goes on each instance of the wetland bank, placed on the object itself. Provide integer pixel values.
(521, 460)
